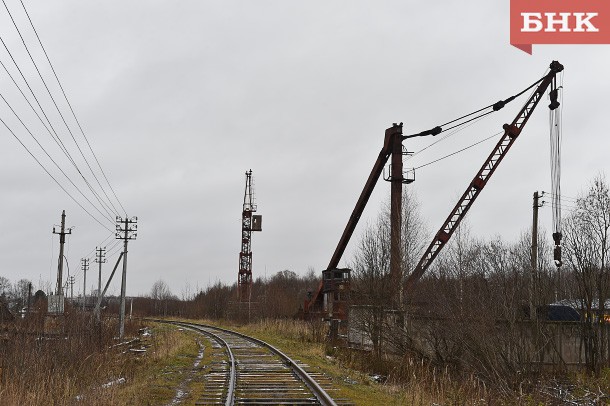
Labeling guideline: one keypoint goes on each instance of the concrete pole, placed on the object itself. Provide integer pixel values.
(100, 260)
(60, 262)
(123, 281)
(534, 257)
(396, 219)
(85, 266)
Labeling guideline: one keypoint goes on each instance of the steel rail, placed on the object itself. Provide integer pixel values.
(320, 394)
(311, 383)
(230, 401)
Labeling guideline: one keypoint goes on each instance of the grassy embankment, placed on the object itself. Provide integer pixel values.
(83, 367)
(416, 383)
(422, 386)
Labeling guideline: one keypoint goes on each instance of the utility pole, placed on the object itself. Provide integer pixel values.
(29, 297)
(396, 180)
(62, 240)
(85, 268)
(100, 258)
(126, 229)
(534, 256)
(71, 282)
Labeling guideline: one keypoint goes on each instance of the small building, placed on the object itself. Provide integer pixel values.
(580, 306)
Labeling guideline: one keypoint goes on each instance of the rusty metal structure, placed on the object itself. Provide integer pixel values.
(511, 132)
(335, 282)
(249, 223)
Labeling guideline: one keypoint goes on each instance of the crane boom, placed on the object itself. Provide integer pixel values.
(392, 137)
(382, 158)
(511, 131)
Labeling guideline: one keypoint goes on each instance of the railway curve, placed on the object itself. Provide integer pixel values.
(248, 371)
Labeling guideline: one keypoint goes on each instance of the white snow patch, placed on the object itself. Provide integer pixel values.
(115, 382)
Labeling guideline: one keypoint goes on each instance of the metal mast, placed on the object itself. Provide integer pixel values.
(244, 279)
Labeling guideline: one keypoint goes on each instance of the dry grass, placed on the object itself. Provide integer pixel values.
(71, 369)
(77, 367)
(295, 338)
(407, 381)
(53, 368)
(163, 371)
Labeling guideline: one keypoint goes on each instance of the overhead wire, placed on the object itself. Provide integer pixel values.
(563, 197)
(462, 125)
(443, 138)
(91, 253)
(52, 177)
(115, 248)
(52, 160)
(106, 204)
(71, 109)
(459, 151)
(58, 109)
(53, 134)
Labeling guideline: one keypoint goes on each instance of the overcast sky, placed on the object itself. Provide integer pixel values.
(179, 98)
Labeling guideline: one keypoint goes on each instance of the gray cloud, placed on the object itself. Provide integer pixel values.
(179, 99)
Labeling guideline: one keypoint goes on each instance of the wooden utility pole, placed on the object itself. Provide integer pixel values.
(126, 230)
(60, 262)
(85, 268)
(534, 257)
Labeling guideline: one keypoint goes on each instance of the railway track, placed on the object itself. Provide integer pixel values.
(248, 371)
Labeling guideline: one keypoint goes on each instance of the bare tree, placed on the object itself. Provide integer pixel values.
(5, 287)
(160, 294)
(587, 245)
(371, 283)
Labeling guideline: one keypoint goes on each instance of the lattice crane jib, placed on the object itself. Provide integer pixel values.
(511, 132)
(249, 223)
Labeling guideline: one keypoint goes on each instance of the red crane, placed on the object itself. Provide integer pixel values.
(511, 132)
(249, 223)
(334, 280)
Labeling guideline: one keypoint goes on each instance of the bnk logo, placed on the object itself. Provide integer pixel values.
(559, 22)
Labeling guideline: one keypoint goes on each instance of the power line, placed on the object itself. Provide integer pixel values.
(443, 138)
(563, 197)
(52, 177)
(52, 160)
(53, 134)
(101, 244)
(72, 110)
(57, 108)
(461, 150)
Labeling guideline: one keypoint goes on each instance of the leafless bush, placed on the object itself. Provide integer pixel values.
(40, 368)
